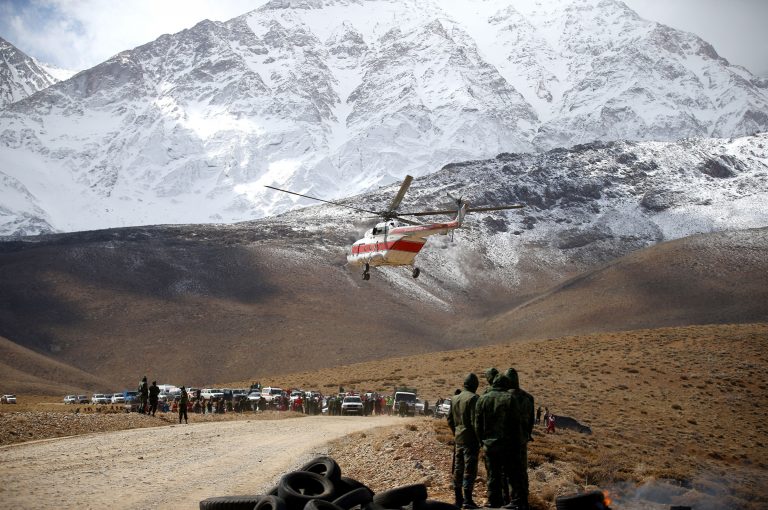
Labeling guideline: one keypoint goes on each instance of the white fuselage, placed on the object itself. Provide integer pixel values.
(390, 244)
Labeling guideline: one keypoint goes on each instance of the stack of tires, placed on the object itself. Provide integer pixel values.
(318, 485)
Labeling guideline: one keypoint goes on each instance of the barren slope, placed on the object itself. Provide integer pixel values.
(704, 279)
(193, 305)
(25, 371)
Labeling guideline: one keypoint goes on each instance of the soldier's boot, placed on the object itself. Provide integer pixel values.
(468, 503)
(512, 505)
(458, 498)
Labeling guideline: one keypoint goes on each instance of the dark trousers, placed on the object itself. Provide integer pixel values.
(183, 412)
(152, 406)
(516, 477)
(520, 487)
(497, 463)
(465, 467)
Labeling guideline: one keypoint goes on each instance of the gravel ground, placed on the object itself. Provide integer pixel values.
(173, 466)
(26, 426)
(403, 454)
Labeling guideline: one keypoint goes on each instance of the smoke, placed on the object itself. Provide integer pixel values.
(706, 491)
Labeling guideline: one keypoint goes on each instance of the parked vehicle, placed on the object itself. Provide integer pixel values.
(82, 399)
(239, 393)
(254, 396)
(419, 406)
(209, 393)
(269, 393)
(352, 405)
(70, 399)
(130, 396)
(8, 399)
(99, 398)
(443, 409)
(404, 397)
(118, 398)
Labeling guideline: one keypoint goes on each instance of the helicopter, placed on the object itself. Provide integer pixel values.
(396, 241)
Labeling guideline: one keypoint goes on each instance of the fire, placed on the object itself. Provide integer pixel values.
(606, 499)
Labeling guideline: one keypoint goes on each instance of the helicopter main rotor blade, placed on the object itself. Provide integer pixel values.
(321, 200)
(469, 210)
(499, 208)
(400, 194)
(409, 222)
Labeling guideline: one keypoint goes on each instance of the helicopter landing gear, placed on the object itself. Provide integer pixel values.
(367, 272)
(416, 272)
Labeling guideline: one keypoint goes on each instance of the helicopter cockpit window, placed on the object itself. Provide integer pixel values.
(375, 231)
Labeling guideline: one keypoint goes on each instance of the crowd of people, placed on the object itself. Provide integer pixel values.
(500, 422)
(187, 401)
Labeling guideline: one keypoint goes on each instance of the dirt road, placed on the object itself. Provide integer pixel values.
(165, 467)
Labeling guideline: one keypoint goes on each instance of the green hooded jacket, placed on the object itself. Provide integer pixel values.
(524, 401)
(461, 417)
(498, 421)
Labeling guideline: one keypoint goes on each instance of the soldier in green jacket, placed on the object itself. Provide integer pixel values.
(490, 375)
(517, 478)
(498, 427)
(467, 447)
(183, 399)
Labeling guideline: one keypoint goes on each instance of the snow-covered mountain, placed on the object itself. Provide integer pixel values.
(333, 97)
(20, 75)
(584, 207)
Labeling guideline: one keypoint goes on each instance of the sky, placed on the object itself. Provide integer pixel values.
(78, 34)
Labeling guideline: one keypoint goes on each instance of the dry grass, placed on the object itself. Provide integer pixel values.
(686, 405)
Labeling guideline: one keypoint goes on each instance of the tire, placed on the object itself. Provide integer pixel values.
(320, 504)
(346, 484)
(432, 504)
(588, 501)
(272, 491)
(358, 497)
(401, 496)
(230, 503)
(271, 503)
(299, 487)
(324, 466)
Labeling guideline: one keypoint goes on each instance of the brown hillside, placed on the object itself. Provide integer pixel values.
(180, 307)
(26, 371)
(704, 279)
(196, 304)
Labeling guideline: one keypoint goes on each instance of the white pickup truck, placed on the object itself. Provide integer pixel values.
(209, 393)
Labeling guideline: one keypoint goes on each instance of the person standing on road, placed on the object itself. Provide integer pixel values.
(466, 445)
(517, 478)
(154, 393)
(183, 405)
(143, 395)
(497, 425)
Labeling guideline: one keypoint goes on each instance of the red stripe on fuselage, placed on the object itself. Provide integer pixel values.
(399, 245)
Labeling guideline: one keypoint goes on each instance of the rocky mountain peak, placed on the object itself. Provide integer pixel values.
(20, 75)
(334, 97)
